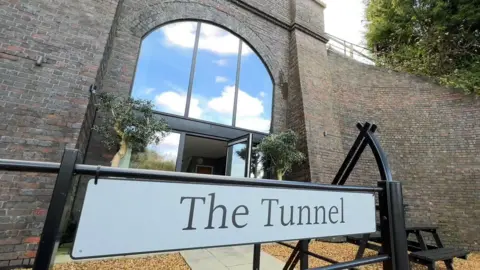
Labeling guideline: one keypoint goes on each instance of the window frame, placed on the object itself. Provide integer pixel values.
(192, 74)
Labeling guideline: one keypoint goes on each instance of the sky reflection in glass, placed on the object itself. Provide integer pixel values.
(163, 76)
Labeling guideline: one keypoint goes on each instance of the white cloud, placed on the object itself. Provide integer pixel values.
(168, 147)
(172, 139)
(173, 102)
(249, 109)
(220, 79)
(195, 110)
(346, 23)
(246, 50)
(262, 94)
(180, 34)
(212, 38)
(221, 62)
(248, 106)
(254, 123)
(224, 103)
(149, 90)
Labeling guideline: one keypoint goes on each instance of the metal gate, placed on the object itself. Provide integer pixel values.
(392, 224)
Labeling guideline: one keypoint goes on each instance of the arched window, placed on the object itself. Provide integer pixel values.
(201, 71)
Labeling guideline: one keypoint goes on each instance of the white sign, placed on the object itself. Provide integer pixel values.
(122, 217)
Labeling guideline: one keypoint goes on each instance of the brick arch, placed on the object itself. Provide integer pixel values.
(151, 14)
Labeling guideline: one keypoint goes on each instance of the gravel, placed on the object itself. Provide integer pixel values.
(346, 252)
(172, 261)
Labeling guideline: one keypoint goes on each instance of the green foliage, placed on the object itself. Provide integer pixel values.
(281, 150)
(151, 160)
(255, 161)
(130, 121)
(435, 38)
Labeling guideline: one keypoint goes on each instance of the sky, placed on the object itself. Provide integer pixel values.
(163, 74)
(345, 19)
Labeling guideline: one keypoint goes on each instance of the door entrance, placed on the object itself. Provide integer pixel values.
(204, 155)
(234, 158)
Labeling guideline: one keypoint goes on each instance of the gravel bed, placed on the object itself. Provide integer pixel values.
(346, 252)
(172, 261)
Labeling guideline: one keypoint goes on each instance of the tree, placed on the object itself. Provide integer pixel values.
(255, 159)
(128, 123)
(281, 150)
(435, 38)
(151, 160)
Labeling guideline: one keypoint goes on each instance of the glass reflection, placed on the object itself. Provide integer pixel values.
(162, 156)
(163, 68)
(254, 107)
(236, 163)
(214, 83)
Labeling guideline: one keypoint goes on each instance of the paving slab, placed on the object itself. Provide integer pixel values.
(230, 258)
(206, 264)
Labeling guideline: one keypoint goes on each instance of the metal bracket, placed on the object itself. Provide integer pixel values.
(97, 174)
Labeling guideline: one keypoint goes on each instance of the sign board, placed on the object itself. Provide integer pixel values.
(121, 217)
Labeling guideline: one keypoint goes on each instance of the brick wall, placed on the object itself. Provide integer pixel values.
(42, 107)
(137, 18)
(430, 134)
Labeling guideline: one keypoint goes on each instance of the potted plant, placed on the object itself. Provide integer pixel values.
(280, 150)
(128, 124)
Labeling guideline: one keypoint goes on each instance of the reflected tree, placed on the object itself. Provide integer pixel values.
(281, 150)
(255, 165)
(151, 160)
(128, 123)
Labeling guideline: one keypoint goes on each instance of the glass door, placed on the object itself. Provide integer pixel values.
(239, 153)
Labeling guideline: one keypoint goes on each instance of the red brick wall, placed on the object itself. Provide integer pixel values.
(431, 136)
(43, 107)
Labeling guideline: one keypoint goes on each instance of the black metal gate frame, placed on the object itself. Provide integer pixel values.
(394, 243)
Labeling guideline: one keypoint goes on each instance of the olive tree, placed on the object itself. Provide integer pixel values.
(280, 149)
(128, 123)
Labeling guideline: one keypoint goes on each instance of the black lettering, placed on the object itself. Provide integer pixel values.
(300, 210)
(316, 214)
(269, 217)
(291, 216)
(210, 215)
(341, 211)
(234, 221)
(192, 209)
(330, 214)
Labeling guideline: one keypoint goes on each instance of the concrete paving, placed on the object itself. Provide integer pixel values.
(228, 258)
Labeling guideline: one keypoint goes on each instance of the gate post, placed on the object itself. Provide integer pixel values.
(303, 256)
(392, 226)
(50, 238)
(256, 256)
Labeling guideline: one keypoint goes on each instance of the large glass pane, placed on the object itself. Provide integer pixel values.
(254, 105)
(236, 160)
(215, 74)
(162, 156)
(163, 68)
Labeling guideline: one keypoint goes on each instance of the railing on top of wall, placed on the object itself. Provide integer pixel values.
(349, 49)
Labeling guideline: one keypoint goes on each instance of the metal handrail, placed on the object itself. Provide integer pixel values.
(104, 171)
(350, 49)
